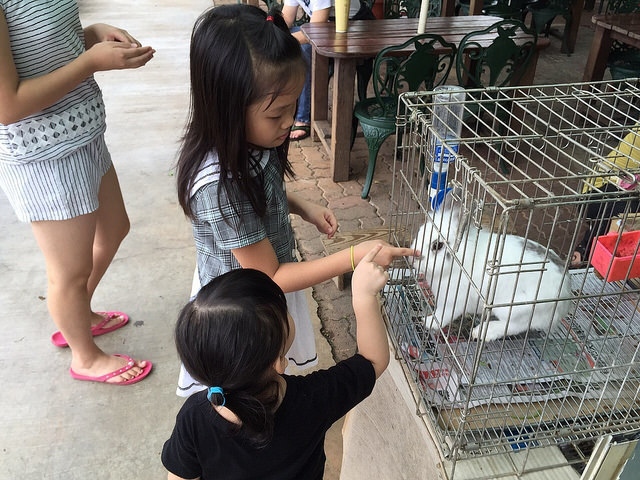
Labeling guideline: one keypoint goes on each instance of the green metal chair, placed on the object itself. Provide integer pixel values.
(425, 68)
(624, 60)
(544, 11)
(500, 63)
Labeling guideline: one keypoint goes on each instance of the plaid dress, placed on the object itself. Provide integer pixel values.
(218, 229)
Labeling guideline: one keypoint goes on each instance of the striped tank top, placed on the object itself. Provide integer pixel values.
(46, 35)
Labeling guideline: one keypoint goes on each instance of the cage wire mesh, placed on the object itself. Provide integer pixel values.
(513, 340)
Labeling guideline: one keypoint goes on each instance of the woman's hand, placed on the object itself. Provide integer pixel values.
(112, 48)
(101, 32)
(113, 55)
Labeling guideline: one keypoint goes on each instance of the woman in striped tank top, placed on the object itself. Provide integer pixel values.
(55, 168)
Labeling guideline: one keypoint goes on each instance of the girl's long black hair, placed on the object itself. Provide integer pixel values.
(238, 58)
(229, 336)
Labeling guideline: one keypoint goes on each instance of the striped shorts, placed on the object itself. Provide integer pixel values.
(57, 189)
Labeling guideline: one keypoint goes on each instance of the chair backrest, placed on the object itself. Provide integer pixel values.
(410, 8)
(498, 63)
(425, 68)
(622, 6)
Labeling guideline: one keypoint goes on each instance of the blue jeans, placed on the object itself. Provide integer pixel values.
(303, 114)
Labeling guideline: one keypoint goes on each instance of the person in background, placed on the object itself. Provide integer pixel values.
(56, 170)
(317, 11)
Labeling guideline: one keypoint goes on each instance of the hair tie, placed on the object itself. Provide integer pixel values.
(269, 18)
(218, 390)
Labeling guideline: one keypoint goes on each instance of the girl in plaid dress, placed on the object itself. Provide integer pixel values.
(247, 73)
(56, 170)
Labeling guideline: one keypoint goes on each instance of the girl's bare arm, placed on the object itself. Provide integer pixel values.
(21, 98)
(299, 275)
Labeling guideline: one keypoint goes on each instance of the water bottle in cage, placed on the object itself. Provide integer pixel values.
(447, 124)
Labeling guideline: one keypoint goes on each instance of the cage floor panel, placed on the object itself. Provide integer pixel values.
(532, 389)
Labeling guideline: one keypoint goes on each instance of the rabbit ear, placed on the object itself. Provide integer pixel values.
(451, 212)
(457, 218)
(451, 199)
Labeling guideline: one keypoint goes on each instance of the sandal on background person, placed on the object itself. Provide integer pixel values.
(306, 129)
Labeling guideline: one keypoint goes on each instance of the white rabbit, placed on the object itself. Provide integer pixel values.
(524, 296)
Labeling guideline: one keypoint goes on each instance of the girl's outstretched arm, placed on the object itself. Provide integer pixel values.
(322, 217)
(371, 335)
(21, 98)
(299, 275)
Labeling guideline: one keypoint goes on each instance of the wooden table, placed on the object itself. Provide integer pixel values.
(364, 39)
(623, 27)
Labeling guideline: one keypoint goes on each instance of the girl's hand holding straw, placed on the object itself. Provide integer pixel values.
(322, 217)
(386, 253)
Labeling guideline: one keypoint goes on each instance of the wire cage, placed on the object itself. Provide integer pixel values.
(519, 326)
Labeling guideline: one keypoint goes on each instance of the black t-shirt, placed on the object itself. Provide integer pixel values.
(202, 444)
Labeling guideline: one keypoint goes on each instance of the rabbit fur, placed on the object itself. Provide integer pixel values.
(524, 294)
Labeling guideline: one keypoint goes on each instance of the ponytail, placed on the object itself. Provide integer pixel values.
(229, 337)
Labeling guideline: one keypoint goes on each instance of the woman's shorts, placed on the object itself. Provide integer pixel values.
(57, 189)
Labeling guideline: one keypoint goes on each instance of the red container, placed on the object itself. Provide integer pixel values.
(614, 265)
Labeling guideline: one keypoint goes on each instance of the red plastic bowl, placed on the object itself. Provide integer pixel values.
(620, 264)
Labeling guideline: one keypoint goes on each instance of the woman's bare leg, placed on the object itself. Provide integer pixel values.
(67, 246)
(112, 225)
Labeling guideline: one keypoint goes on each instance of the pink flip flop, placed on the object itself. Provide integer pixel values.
(130, 364)
(58, 339)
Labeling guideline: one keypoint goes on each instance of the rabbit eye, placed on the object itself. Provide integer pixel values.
(435, 246)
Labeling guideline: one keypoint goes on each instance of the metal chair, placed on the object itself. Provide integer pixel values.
(544, 11)
(425, 68)
(500, 63)
(624, 60)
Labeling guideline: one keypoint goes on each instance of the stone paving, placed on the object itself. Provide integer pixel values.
(313, 182)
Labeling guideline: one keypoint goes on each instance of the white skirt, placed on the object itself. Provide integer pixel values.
(301, 355)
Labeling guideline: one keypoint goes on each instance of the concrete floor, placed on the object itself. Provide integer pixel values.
(55, 427)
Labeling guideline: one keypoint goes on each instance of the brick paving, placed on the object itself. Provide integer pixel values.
(313, 182)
